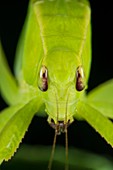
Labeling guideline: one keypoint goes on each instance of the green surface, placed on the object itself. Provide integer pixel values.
(38, 158)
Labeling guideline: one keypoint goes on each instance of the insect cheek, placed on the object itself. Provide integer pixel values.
(80, 84)
(43, 79)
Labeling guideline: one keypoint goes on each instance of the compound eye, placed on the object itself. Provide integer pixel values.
(80, 84)
(43, 80)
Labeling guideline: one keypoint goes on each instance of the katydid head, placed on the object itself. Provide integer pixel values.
(61, 98)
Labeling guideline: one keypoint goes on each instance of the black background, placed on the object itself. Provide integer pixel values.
(81, 135)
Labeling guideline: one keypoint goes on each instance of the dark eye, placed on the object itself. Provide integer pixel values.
(80, 84)
(43, 80)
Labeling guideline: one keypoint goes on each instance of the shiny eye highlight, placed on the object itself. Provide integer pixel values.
(43, 79)
(80, 85)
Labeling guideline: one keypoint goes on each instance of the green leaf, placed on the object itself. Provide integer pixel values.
(7, 113)
(8, 86)
(39, 157)
(106, 108)
(99, 122)
(15, 127)
(103, 92)
(101, 98)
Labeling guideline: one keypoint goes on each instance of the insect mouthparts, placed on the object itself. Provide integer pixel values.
(60, 126)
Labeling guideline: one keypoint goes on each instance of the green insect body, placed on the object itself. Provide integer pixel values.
(52, 68)
(63, 33)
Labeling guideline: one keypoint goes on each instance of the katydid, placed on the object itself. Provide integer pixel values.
(52, 68)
